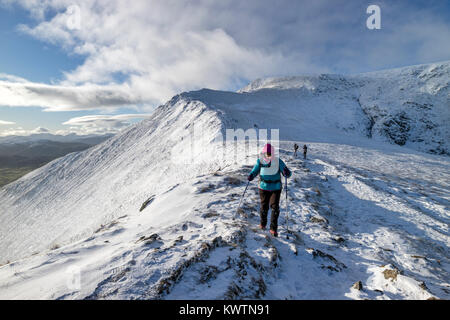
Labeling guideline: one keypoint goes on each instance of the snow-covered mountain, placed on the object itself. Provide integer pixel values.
(36, 150)
(407, 106)
(361, 208)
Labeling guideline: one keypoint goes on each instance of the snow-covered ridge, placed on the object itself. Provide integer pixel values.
(407, 106)
(308, 82)
(436, 76)
(69, 198)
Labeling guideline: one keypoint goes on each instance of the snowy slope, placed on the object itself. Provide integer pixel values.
(359, 207)
(71, 197)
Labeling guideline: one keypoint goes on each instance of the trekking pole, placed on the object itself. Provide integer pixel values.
(287, 210)
(242, 197)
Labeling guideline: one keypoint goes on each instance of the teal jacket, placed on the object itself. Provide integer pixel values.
(270, 178)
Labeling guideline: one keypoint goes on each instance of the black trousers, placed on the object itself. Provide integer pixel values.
(270, 199)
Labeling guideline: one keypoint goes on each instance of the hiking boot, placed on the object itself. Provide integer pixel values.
(274, 233)
(262, 227)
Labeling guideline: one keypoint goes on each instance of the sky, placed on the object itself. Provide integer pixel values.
(79, 66)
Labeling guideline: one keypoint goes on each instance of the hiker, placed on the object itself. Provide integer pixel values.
(305, 149)
(269, 186)
(295, 150)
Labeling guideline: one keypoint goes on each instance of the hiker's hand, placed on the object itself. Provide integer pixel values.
(286, 172)
(250, 177)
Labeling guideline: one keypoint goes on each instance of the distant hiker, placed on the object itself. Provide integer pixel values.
(305, 149)
(295, 150)
(269, 185)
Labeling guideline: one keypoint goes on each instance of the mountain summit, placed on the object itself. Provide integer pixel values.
(406, 106)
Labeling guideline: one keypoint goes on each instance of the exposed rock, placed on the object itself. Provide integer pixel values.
(318, 219)
(242, 212)
(147, 202)
(339, 239)
(177, 240)
(164, 285)
(338, 266)
(207, 188)
(208, 273)
(397, 128)
(246, 285)
(379, 291)
(150, 239)
(318, 191)
(210, 214)
(358, 285)
(232, 180)
(106, 227)
(391, 274)
(423, 286)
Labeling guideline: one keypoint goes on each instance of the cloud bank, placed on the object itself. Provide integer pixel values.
(19, 131)
(100, 124)
(6, 122)
(86, 125)
(65, 97)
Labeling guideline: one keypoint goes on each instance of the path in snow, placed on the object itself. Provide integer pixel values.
(331, 247)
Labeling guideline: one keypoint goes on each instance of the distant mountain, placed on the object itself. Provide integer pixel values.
(91, 139)
(20, 155)
(38, 149)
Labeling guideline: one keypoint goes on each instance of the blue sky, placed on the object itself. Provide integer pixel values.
(29, 58)
(34, 60)
(26, 57)
(125, 58)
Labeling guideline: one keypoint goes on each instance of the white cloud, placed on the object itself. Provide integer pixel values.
(86, 125)
(97, 118)
(161, 48)
(100, 124)
(65, 97)
(19, 131)
(40, 130)
(2, 122)
(11, 78)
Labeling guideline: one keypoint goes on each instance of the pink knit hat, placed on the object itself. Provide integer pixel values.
(268, 149)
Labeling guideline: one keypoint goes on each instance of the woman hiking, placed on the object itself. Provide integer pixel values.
(269, 185)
